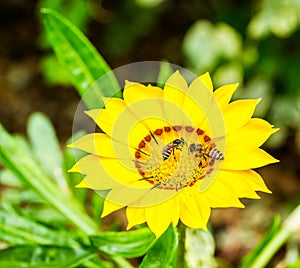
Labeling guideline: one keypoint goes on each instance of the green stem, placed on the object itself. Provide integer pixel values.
(271, 248)
(181, 245)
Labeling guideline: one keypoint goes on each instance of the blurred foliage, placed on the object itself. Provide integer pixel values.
(255, 43)
(200, 249)
(129, 21)
(264, 57)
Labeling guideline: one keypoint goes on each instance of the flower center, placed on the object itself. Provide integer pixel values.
(175, 157)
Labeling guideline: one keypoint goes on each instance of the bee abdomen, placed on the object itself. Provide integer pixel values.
(216, 154)
(166, 154)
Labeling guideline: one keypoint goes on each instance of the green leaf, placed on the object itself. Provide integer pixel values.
(161, 252)
(23, 166)
(16, 229)
(45, 148)
(250, 257)
(97, 263)
(69, 159)
(53, 72)
(81, 60)
(45, 215)
(165, 72)
(126, 244)
(18, 196)
(43, 257)
(9, 179)
(97, 202)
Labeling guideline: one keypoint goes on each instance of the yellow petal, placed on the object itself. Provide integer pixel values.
(102, 145)
(121, 170)
(120, 125)
(83, 184)
(175, 88)
(221, 194)
(197, 117)
(108, 172)
(248, 159)
(174, 94)
(238, 113)
(97, 177)
(130, 194)
(114, 104)
(243, 183)
(148, 111)
(105, 118)
(210, 117)
(143, 104)
(106, 125)
(96, 184)
(110, 207)
(159, 217)
(224, 94)
(256, 182)
(135, 92)
(205, 78)
(194, 207)
(135, 216)
(251, 135)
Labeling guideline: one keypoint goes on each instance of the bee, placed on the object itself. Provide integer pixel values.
(170, 147)
(193, 148)
(213, 153)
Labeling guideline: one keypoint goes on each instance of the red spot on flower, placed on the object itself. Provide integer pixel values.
(158, 131)
(199, 131)
(142, 173)
(137, 154)
(177, 128)
(148, 138)
(189, 129)
(192, 183)
(206, 138)
(167, 129)
(142, 144)
(209, 171)
(137, 165)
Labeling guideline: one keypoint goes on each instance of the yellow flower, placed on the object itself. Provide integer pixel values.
(174, 153)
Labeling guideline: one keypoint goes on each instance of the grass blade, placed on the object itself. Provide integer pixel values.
(23, 166)
(19, 230)
(80, 58)
(45, 147)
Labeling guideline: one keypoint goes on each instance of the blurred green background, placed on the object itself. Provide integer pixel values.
(255, 43)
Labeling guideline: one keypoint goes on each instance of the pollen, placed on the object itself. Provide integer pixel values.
(174, 157)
